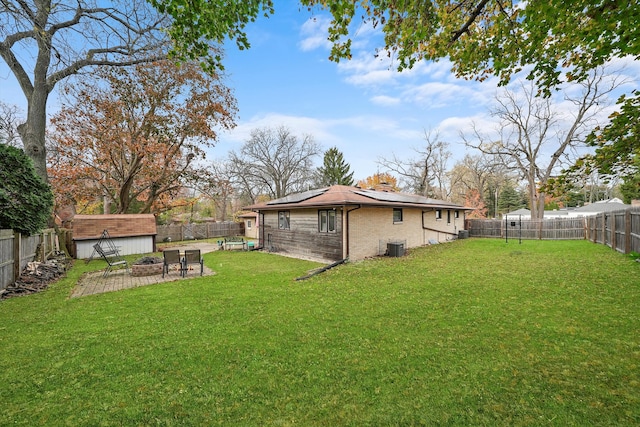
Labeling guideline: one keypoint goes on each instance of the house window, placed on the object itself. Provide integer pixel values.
(397, 215)
(438, 213)
(283, 220)
(327, 221)
(249, 224)
(448, 217)
(456, 215)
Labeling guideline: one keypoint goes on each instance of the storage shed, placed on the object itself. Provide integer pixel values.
(131, 233)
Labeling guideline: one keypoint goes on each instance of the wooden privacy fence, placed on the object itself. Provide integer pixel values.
(545, 229)
(17, 250)
(620, 230)
(199, 231)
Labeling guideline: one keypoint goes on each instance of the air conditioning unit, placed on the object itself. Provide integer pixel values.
(395, 249)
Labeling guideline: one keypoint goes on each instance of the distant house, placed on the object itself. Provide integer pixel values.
(590, 209)
(250, 220)
(518, 214)
(340, 222)
(131, 233)
(595, 208)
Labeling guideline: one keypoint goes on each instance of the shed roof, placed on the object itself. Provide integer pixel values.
(87, 227)
(343, 195)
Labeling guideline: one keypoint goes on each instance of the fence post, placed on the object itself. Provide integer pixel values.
(17, 251)
(627, 231)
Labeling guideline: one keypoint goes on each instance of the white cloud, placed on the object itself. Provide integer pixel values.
(314, 34)
(385, 101)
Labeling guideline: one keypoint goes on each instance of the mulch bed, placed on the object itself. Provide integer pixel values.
(36, 277)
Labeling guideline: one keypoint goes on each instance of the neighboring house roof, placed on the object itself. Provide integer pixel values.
(87, 227)
(603, 206)
(342, 195)
(523, 212)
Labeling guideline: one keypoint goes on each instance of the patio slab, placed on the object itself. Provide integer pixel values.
(93, 283)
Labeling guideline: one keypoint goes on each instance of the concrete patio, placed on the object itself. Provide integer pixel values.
(93, 283)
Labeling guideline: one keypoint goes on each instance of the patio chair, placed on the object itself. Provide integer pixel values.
(172, 257)
(192, 256)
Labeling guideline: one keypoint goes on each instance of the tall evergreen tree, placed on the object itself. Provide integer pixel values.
(510, 199)
(334, 171)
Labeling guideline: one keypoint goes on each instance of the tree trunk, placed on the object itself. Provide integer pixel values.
(32, 131)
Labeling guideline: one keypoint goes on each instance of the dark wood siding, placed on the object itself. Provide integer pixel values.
(303, 237)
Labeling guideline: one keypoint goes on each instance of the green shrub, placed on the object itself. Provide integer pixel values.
(26, 201)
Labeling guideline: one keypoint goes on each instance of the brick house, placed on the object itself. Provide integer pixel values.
(131, 233)
(341, 222)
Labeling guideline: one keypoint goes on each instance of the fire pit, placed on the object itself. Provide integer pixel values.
(147, 266)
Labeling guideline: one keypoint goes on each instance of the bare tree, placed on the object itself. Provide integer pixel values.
(276, 162)
(537, 138)
(482, 172)
(44, 43)
(425, 173)
(9, 119)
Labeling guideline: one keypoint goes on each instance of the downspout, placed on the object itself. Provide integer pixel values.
(260, 230)
(346, 229)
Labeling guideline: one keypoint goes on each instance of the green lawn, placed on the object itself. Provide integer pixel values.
(475, 332)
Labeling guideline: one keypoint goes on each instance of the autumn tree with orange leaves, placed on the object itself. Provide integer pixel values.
(380, 181)
(133, 136)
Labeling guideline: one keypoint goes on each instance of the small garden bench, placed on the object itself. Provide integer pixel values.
(235, 243)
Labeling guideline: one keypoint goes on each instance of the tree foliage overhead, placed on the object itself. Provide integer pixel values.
(135, 134)
(25, 199)
(554, 42)
(334, 169)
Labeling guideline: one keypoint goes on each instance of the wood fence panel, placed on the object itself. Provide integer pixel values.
(16, 251)
(546, 229)
(634, 231)
(212, 230)
(6, 258)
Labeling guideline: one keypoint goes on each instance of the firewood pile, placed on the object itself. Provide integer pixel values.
(36, 277)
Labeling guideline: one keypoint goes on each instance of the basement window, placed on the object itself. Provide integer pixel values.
(283, 220)
(397, 215)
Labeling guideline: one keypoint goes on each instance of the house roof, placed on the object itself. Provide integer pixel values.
(521, 211)
(88, 227)
(342, 195)
(248, 215)
(603, 206)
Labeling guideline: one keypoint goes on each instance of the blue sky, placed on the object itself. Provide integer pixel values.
(364, 107)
